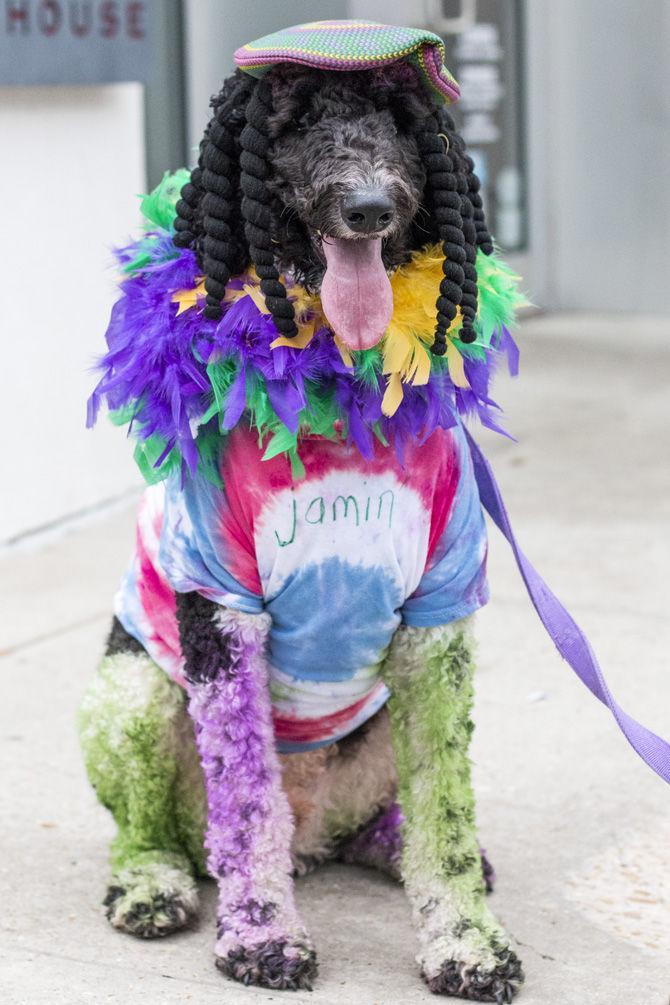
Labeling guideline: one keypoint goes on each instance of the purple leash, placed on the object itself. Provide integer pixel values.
(566, 635)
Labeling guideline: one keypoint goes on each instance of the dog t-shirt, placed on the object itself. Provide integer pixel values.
(338, 559)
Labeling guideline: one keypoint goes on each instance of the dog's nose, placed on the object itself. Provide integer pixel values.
(367, 212)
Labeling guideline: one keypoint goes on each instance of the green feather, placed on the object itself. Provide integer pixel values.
(146, 455)
(282, 441)
(376, 429)
(368, 365)
(208, 443)
(221, 375)
(122, 416)
(159, 210)
(159, 207)
(499, 298)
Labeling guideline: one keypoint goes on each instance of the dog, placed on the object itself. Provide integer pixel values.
(317, 630)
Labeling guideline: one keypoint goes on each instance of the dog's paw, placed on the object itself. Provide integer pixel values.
(151, 900)
(303, 865)
(467, 956)
(276, 964)
(497, 982)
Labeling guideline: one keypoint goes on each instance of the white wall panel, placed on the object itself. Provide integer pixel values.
(72, 164)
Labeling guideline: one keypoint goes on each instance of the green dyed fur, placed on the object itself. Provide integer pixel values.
(155, 897)
(430, 674)
(141, 758)
(433, 726)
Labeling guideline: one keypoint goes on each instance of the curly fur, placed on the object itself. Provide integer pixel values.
(336, 790)
(281, 154)
(337, 802)
(463, 949)
(276, 161)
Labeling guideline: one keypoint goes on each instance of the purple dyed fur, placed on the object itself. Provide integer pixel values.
(249, 820)
(379, 844)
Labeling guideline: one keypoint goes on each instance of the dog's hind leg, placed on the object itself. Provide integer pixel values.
(141, 759)
(379, 845)
(464, 951)
(342, 798)
(260, 936)
(335, 791)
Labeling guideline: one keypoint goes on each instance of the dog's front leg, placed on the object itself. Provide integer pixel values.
(260, 937)
(464, 952)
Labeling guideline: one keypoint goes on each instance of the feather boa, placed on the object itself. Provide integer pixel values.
(181, 381)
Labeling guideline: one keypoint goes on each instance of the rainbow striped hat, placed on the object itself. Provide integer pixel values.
(352, 45)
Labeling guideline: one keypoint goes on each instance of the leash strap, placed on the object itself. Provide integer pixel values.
(566, 635)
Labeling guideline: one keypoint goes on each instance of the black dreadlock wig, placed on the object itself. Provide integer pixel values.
(225, 212)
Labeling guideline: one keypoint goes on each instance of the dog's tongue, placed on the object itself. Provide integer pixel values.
(356, 294)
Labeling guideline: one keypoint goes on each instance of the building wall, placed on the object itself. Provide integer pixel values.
(73, 160)
(598, 97)
(599, 132)
(598, 142)
(215, 28)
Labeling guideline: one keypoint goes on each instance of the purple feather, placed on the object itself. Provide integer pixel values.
(505, 343)
(287, 401)
(156, 365)
(236, 400)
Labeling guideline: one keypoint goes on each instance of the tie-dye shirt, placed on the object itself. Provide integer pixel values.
(338, 559)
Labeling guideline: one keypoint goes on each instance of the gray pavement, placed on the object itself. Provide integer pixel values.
(577, 826)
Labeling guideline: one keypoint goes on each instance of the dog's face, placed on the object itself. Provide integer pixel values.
(348, 182)
(346, 165)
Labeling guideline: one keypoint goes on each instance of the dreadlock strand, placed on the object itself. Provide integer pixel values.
(220, 175)
(484, 240)
(446, 208)
(475, 231)
(256, 211)
(186, 210)
(207, 212)
(469, 298)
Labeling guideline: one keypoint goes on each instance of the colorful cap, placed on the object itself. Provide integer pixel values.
(353, 45)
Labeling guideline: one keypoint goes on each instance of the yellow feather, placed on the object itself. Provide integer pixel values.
(456, 323)
(397, 350)
(392, 395)
(347, 358)
(407, 340)
(188, 298)
(255, 293)
(304, 302)
(415, 288)
(420, 372)
(301, 340)
(456, 369)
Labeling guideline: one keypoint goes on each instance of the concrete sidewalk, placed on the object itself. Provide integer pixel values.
(577, 826)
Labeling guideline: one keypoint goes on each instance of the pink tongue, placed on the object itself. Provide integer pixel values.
(356, 294)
